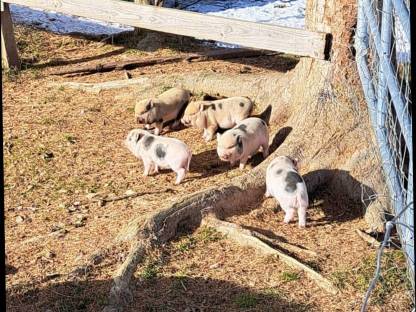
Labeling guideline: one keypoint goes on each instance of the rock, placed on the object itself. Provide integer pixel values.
(50, 254)
(97, 258)
(80, 221)
(48, 155)
(20, 219)
(57, 227)
(130, 192)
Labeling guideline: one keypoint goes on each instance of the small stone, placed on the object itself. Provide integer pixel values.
(130, 192)
(20, 219)
(61, 233)
(48, 155)
(245, 69)
(50, 254)
(97, 258)
(57, 227)
(91, 195)
(72, 209)
(77, 203)
(214, 266)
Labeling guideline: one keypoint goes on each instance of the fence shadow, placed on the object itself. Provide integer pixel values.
(154, 294)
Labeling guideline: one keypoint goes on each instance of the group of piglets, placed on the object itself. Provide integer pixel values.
(243, 137)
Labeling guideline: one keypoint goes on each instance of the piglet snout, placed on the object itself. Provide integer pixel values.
(225, 157)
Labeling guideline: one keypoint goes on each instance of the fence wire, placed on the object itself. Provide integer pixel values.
(383, 57)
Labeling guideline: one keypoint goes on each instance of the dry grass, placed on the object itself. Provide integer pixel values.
(62, 147)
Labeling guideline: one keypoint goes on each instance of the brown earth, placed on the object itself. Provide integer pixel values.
(63, 146)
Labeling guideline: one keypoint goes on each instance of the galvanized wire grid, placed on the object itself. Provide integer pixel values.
(383, 58)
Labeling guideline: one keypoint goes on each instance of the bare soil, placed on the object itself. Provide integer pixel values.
(63, 150)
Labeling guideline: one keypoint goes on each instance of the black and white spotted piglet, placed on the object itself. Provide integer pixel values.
(284, 183)
(159, 152)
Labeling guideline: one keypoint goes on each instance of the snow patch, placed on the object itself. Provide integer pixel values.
(63, 24)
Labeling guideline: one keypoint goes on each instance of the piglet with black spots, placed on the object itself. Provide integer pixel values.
(211, 115)
(284, 183)
(159, 152)
(243, 141)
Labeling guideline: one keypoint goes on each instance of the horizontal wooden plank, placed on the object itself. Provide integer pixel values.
(256, 35)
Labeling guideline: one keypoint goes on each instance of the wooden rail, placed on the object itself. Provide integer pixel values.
(262, 36)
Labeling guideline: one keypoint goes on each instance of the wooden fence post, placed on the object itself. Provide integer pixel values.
(9, 54)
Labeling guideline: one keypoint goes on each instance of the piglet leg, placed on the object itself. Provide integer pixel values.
(290, 213)
(243, 162)
(210, 133)
(302, 216)
(158, 127)
(180, 174)
(147, 166)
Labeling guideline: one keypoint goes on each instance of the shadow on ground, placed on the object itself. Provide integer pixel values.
(339, 195)
(155, 294)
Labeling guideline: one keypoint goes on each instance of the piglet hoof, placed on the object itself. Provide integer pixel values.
(267, 194)
(302, 226)
(242, 166)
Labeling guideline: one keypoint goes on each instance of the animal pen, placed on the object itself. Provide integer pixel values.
(382, 34)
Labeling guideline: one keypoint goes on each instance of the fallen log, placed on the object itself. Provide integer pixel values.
(134, 63)
(107, 85)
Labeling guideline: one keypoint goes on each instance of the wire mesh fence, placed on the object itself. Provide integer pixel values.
(383, 58)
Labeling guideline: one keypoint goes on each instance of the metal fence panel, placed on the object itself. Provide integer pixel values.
(383, 58)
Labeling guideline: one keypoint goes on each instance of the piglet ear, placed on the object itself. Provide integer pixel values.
(239, 144)
(296, 162)
(138, 136)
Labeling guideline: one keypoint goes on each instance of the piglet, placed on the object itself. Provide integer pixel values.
(211, 115)
(284, 183)
(159, 152)
(166, 107)
(243, 141)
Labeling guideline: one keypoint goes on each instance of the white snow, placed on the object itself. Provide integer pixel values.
(290, 13)
(63, 24)
(279, 12)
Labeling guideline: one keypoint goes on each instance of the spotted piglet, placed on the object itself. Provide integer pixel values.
(211, 115)
(243, 141)
(284, 183)
(159, 152)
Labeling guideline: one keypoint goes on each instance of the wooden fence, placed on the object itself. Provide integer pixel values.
(248, 34)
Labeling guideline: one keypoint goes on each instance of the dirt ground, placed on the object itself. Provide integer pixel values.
(63, 151)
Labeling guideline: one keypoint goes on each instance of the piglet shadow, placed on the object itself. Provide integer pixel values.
(208, 164)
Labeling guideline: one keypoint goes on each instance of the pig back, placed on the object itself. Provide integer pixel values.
(175, 97)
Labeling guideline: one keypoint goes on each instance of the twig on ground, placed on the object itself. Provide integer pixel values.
(369, 239)
(141, 62)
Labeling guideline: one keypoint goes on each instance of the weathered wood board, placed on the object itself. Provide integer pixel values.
(256, 35)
